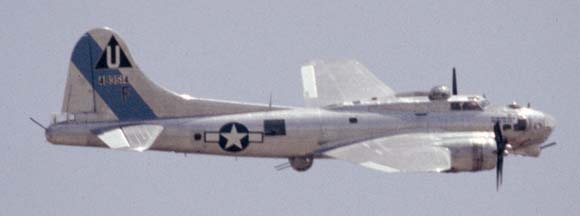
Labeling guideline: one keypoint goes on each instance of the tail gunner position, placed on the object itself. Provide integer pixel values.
(349, 115)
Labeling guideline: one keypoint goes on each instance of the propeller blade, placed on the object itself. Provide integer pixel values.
(499, 173)
(454, 83)
(501, 145)
(498, 134)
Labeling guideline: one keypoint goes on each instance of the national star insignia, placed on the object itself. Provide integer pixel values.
(234, 138)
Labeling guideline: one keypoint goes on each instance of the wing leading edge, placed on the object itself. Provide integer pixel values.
(413, 152)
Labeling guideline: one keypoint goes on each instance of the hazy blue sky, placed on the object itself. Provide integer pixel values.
(245, 50)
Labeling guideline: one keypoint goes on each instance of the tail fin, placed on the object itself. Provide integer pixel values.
(104, 83)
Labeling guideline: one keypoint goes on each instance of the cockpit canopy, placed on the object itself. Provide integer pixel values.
(469, 103)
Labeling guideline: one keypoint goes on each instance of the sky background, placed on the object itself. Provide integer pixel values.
(527, 51)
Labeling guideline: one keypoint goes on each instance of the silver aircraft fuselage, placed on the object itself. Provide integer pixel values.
(309, 130)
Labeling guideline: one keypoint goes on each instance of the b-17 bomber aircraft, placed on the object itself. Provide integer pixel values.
(349, 115)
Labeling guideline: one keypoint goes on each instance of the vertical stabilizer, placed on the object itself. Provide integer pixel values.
(105, 84)
(103, 80)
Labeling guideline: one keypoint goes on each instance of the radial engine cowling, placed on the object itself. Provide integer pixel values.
(472, 154)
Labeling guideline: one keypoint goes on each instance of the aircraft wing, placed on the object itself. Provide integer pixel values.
(327, 82)
(412, 152)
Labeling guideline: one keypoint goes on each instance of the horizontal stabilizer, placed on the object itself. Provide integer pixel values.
(134, 137)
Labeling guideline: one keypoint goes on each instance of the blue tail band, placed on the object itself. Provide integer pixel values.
(110, 84)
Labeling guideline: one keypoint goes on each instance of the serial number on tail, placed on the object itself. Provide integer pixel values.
(113, 80)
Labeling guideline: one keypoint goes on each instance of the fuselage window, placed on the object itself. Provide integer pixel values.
(469, 105)
(507, 127)
(197, 136)
(455, 106)
(521, 125)
(353, 120)
(274, 127)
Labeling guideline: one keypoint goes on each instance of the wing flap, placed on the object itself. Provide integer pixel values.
(134, 137)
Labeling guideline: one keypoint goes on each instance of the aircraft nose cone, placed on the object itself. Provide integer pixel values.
(550, 122)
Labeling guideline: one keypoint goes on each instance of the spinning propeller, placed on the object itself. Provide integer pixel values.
(501, 146)
(500, 141)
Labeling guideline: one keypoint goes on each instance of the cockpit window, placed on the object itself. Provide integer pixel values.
(483, 102)
(467, 106)
(471, 105)
(521, 125)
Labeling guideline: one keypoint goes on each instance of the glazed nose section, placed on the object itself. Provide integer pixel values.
(550, 122)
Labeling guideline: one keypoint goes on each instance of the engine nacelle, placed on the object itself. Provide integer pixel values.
(472, 154)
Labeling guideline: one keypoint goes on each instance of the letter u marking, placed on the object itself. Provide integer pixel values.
(110, 63)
